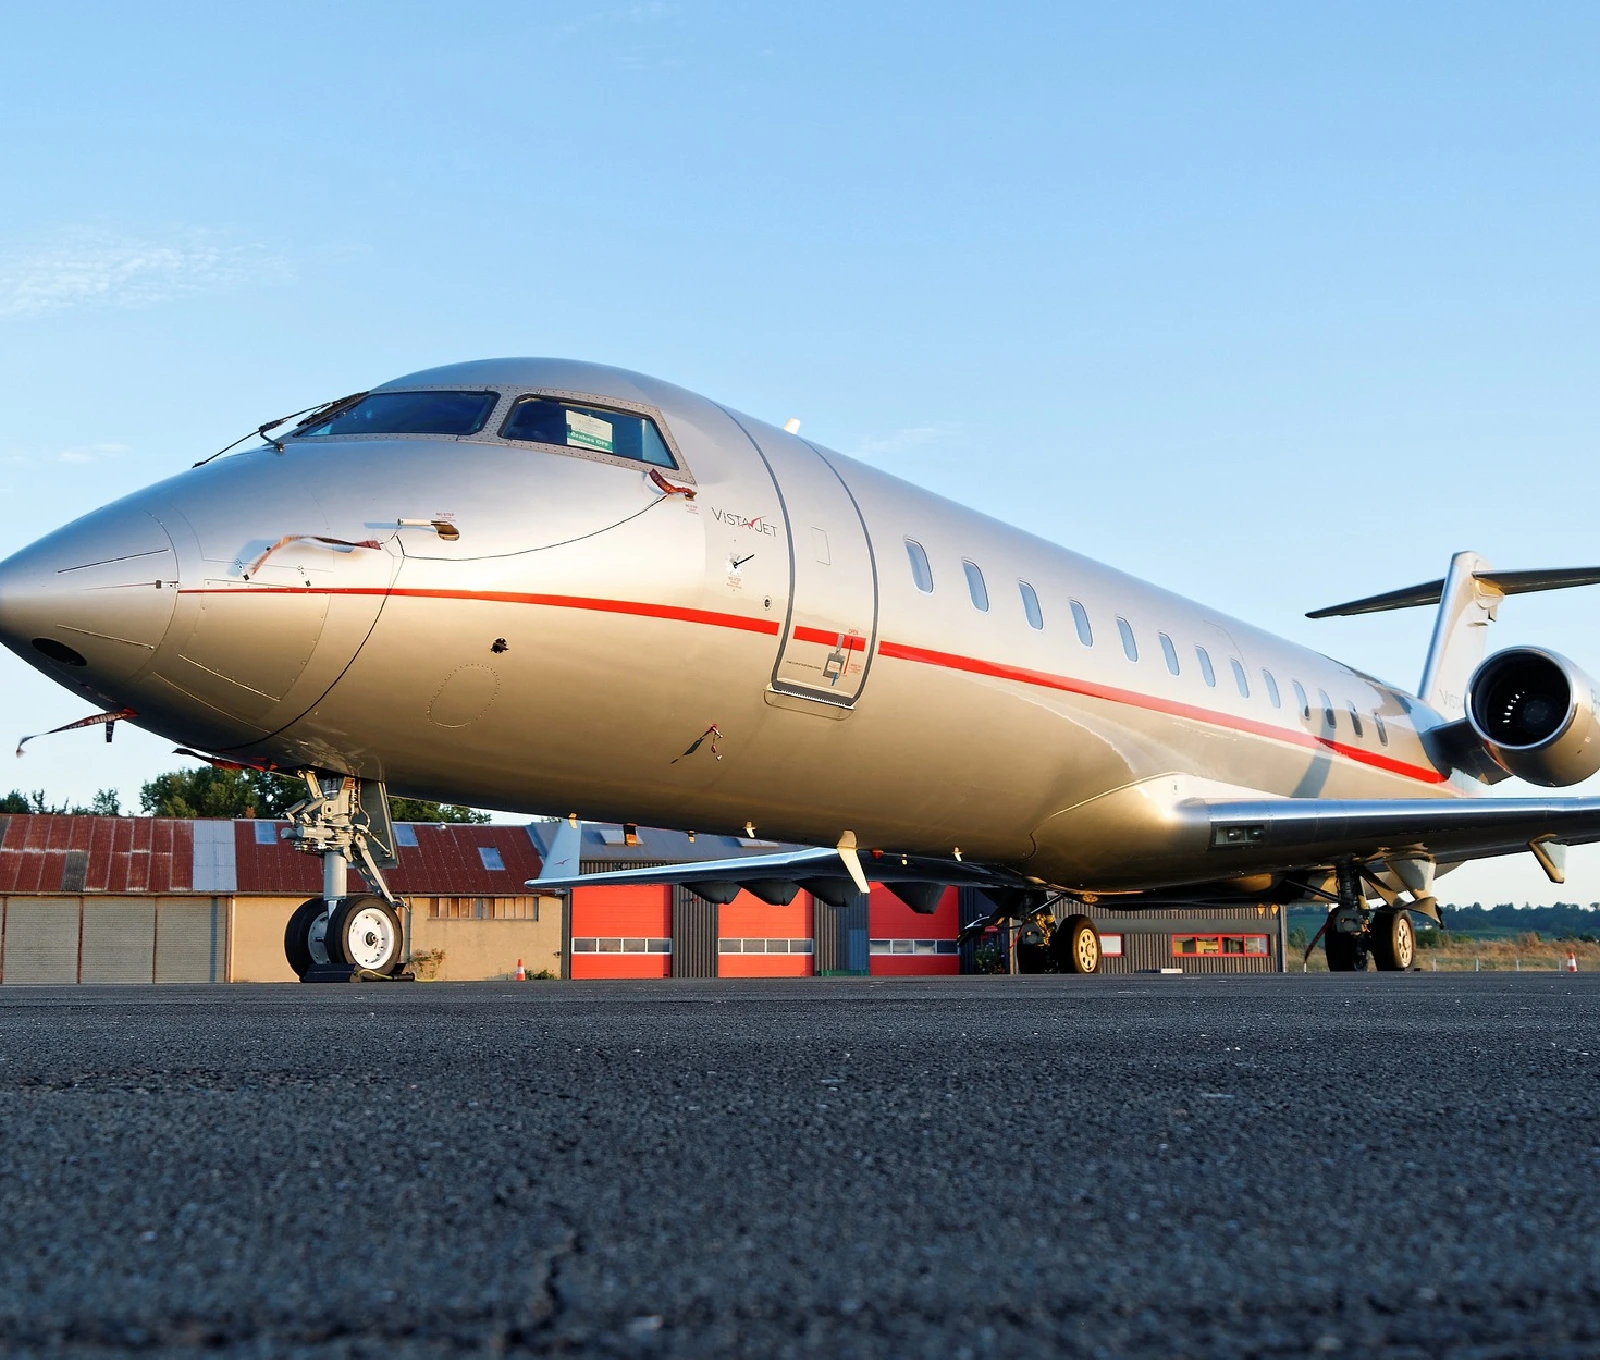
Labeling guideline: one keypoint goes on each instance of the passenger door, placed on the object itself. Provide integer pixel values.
(831, 624)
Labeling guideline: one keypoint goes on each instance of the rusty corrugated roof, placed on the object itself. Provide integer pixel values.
(52, 853)
(55, 853)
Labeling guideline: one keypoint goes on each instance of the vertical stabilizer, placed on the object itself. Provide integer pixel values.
(1467, 607)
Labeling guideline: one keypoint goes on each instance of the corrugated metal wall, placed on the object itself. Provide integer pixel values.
(841, 936)
(694, 935)
(113, 939)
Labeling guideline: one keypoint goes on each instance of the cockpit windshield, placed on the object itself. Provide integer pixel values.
(594, 429)
(456, 413)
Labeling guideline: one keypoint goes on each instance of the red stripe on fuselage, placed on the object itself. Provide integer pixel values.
(898, 651)
(850, 642)
(1155, 704)
(639, 608)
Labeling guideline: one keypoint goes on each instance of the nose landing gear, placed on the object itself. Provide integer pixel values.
(338, 937)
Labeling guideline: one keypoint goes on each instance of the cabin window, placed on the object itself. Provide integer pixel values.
(588, 429)
(1273, 697)
(449, 413)
(1080, 621)
(1383, 731)
(1130, 648)
(1170, 652)
(976, 587)
(1239, 677)
(1355, 720)
(1206, 673)
(1300, 698)
(1030, 605)
(921, 572)
(1328, 715)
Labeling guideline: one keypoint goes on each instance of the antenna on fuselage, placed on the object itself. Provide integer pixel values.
(792, 425)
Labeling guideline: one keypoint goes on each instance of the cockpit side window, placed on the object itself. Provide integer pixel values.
(544, 420)
(449, 413)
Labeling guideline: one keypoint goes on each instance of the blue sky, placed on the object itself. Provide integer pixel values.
(1272, 304)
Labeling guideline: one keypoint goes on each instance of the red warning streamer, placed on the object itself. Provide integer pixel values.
(108, 720)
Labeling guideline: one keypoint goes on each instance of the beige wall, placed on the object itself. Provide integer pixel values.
(474, 951)
(480, 950)
(256, 934)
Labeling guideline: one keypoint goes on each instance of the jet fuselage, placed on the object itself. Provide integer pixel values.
(562, 622)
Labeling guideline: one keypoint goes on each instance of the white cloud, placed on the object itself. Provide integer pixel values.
(91, 453)
(85, 267)
(900, 441)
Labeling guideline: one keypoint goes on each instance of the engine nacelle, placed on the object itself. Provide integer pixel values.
(1535, 713)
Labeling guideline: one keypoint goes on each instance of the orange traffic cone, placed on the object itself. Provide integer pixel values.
(522, 973)
(1572, 962)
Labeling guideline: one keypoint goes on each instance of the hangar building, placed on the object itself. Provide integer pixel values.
(157, 899)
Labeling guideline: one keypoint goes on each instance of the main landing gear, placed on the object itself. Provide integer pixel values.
(1046, 944)
(339, 936)
(1353, 933)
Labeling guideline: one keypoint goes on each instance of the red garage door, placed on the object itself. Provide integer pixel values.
(755, 940)
(621, 932)
(904, 941)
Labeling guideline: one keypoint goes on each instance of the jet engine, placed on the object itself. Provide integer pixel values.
(1535, 713)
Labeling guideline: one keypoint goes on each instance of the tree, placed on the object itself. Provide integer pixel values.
(421, 810)
(106, 803)
(213, 792)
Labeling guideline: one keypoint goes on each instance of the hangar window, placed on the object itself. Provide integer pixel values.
(1206, 673)
(490, 857)
(483, 908)
(975, 586)
(1355, 720)
(914, 947)
(1130, 648)
(921, 572)
(1030, 605)
(266, 833)
(456, 413)
(1300, 698)
(1383, 731)
(620, 945)
(1080, 621)
(1239, 677)
(1204, 946)
(765, 946)
(589, 429)
(1328, 715)
(1170, 652)
(405, 834)
(1273, 697)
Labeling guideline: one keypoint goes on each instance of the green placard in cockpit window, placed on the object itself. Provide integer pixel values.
(589, 432)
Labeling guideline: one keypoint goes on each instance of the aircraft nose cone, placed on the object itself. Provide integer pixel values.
(90, 603)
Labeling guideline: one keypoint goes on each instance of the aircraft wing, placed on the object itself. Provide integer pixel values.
(1295, 832)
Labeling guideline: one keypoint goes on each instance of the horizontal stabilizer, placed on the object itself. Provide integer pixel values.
(1431, 592)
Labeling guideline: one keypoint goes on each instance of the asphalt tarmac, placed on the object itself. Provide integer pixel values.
(1246, 1166)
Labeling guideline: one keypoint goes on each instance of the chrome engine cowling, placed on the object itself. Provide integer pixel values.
(1535, 713)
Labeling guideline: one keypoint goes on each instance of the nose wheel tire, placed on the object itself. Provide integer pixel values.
(1076, 945)
(365, 932)
(1394, 941)
(305, 937)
